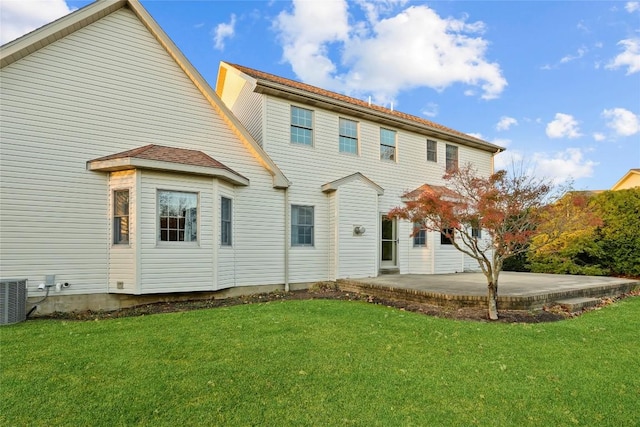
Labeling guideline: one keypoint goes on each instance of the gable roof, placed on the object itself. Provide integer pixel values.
(43, 36)
(633, 175)
(441, 190)
(332, 186)
(172, 159)
(301, 92)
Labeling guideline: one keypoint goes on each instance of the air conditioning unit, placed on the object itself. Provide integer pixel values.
(13, 301)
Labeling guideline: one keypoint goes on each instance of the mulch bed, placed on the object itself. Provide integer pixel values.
(322, 291)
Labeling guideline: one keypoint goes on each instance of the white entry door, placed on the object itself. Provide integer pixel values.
(388, 243)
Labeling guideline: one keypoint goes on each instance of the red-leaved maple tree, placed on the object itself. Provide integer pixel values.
(506, 207)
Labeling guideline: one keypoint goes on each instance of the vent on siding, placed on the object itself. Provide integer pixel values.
(13, 301)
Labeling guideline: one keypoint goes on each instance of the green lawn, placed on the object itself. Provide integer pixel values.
(321, 363)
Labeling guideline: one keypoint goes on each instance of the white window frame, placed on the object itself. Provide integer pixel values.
(451, 163)
(420, 238)
(386, 147)
(300, 128)
(295, 226)
(119, 217)
(188, 216)
(432, 150)
(345, 137)
(226, 236)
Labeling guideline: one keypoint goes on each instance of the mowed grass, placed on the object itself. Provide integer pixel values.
(322, 363)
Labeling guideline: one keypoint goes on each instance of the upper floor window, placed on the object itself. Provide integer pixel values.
(301, 225)
(420, 238)
(452, 158)
(387, 144)
(301, 126)
(177, 216)
(225, 221)
(121, 217)
(432, 151)
(348, 136)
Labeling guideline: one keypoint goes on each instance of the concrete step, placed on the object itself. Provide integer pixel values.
(577, 304)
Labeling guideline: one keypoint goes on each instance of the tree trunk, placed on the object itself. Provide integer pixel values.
(493, 300)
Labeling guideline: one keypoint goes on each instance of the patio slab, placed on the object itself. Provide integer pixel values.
(515, 290)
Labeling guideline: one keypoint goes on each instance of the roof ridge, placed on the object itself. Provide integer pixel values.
(355, 101)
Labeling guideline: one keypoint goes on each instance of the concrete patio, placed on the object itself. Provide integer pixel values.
(516, 291)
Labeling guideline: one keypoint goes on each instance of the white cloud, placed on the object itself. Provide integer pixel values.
(630, 57)
(420, 49)
(559, 167)
(431, 110)
(622, 121)
(632, 6)
(599, 136)
(224, 31)
(579, 54)
(475, 135)
(506, 122)
(564, 126)
(18, 17)
(563, 165)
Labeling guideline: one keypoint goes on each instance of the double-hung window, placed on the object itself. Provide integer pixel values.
(432, 151)
(452, 158)
(121, 217)
(301, 126)
(348, 136)
(301, 225)
(420, 237)
(225, 221)
(387, 144)
(177, 216)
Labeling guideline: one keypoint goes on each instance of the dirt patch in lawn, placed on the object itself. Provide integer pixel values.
(325, 291)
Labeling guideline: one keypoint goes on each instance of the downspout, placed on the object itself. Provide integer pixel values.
(287, 229)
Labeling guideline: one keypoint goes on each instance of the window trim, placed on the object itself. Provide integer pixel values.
(420, 235)
(295, 225)
(228, 222)
(433, 151)
(449, 167)
(394, 146)
(116, 218)
(293, 126)
(355, 139)
(159, 219)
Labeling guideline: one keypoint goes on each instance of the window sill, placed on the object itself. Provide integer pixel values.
(173, 245)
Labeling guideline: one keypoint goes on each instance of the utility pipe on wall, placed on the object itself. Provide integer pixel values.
(287, 229)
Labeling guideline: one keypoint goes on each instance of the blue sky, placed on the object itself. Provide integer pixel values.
(555, 82)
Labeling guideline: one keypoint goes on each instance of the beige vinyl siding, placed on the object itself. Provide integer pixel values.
(420, 258)
(334, 234)
(107, 88)
(123, 258)
(357, 255)
(226, 257)
(308, 168)
(176, 266)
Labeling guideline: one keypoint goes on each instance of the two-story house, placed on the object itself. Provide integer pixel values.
(349, 162)
(125, 177)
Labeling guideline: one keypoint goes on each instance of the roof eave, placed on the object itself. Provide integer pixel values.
(287, 92)
(129, 163)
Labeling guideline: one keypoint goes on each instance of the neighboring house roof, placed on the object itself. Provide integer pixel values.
(286, 88)
(332, 186)
(432, 189)
(43, 36)
(171, 159)
(630, 180)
